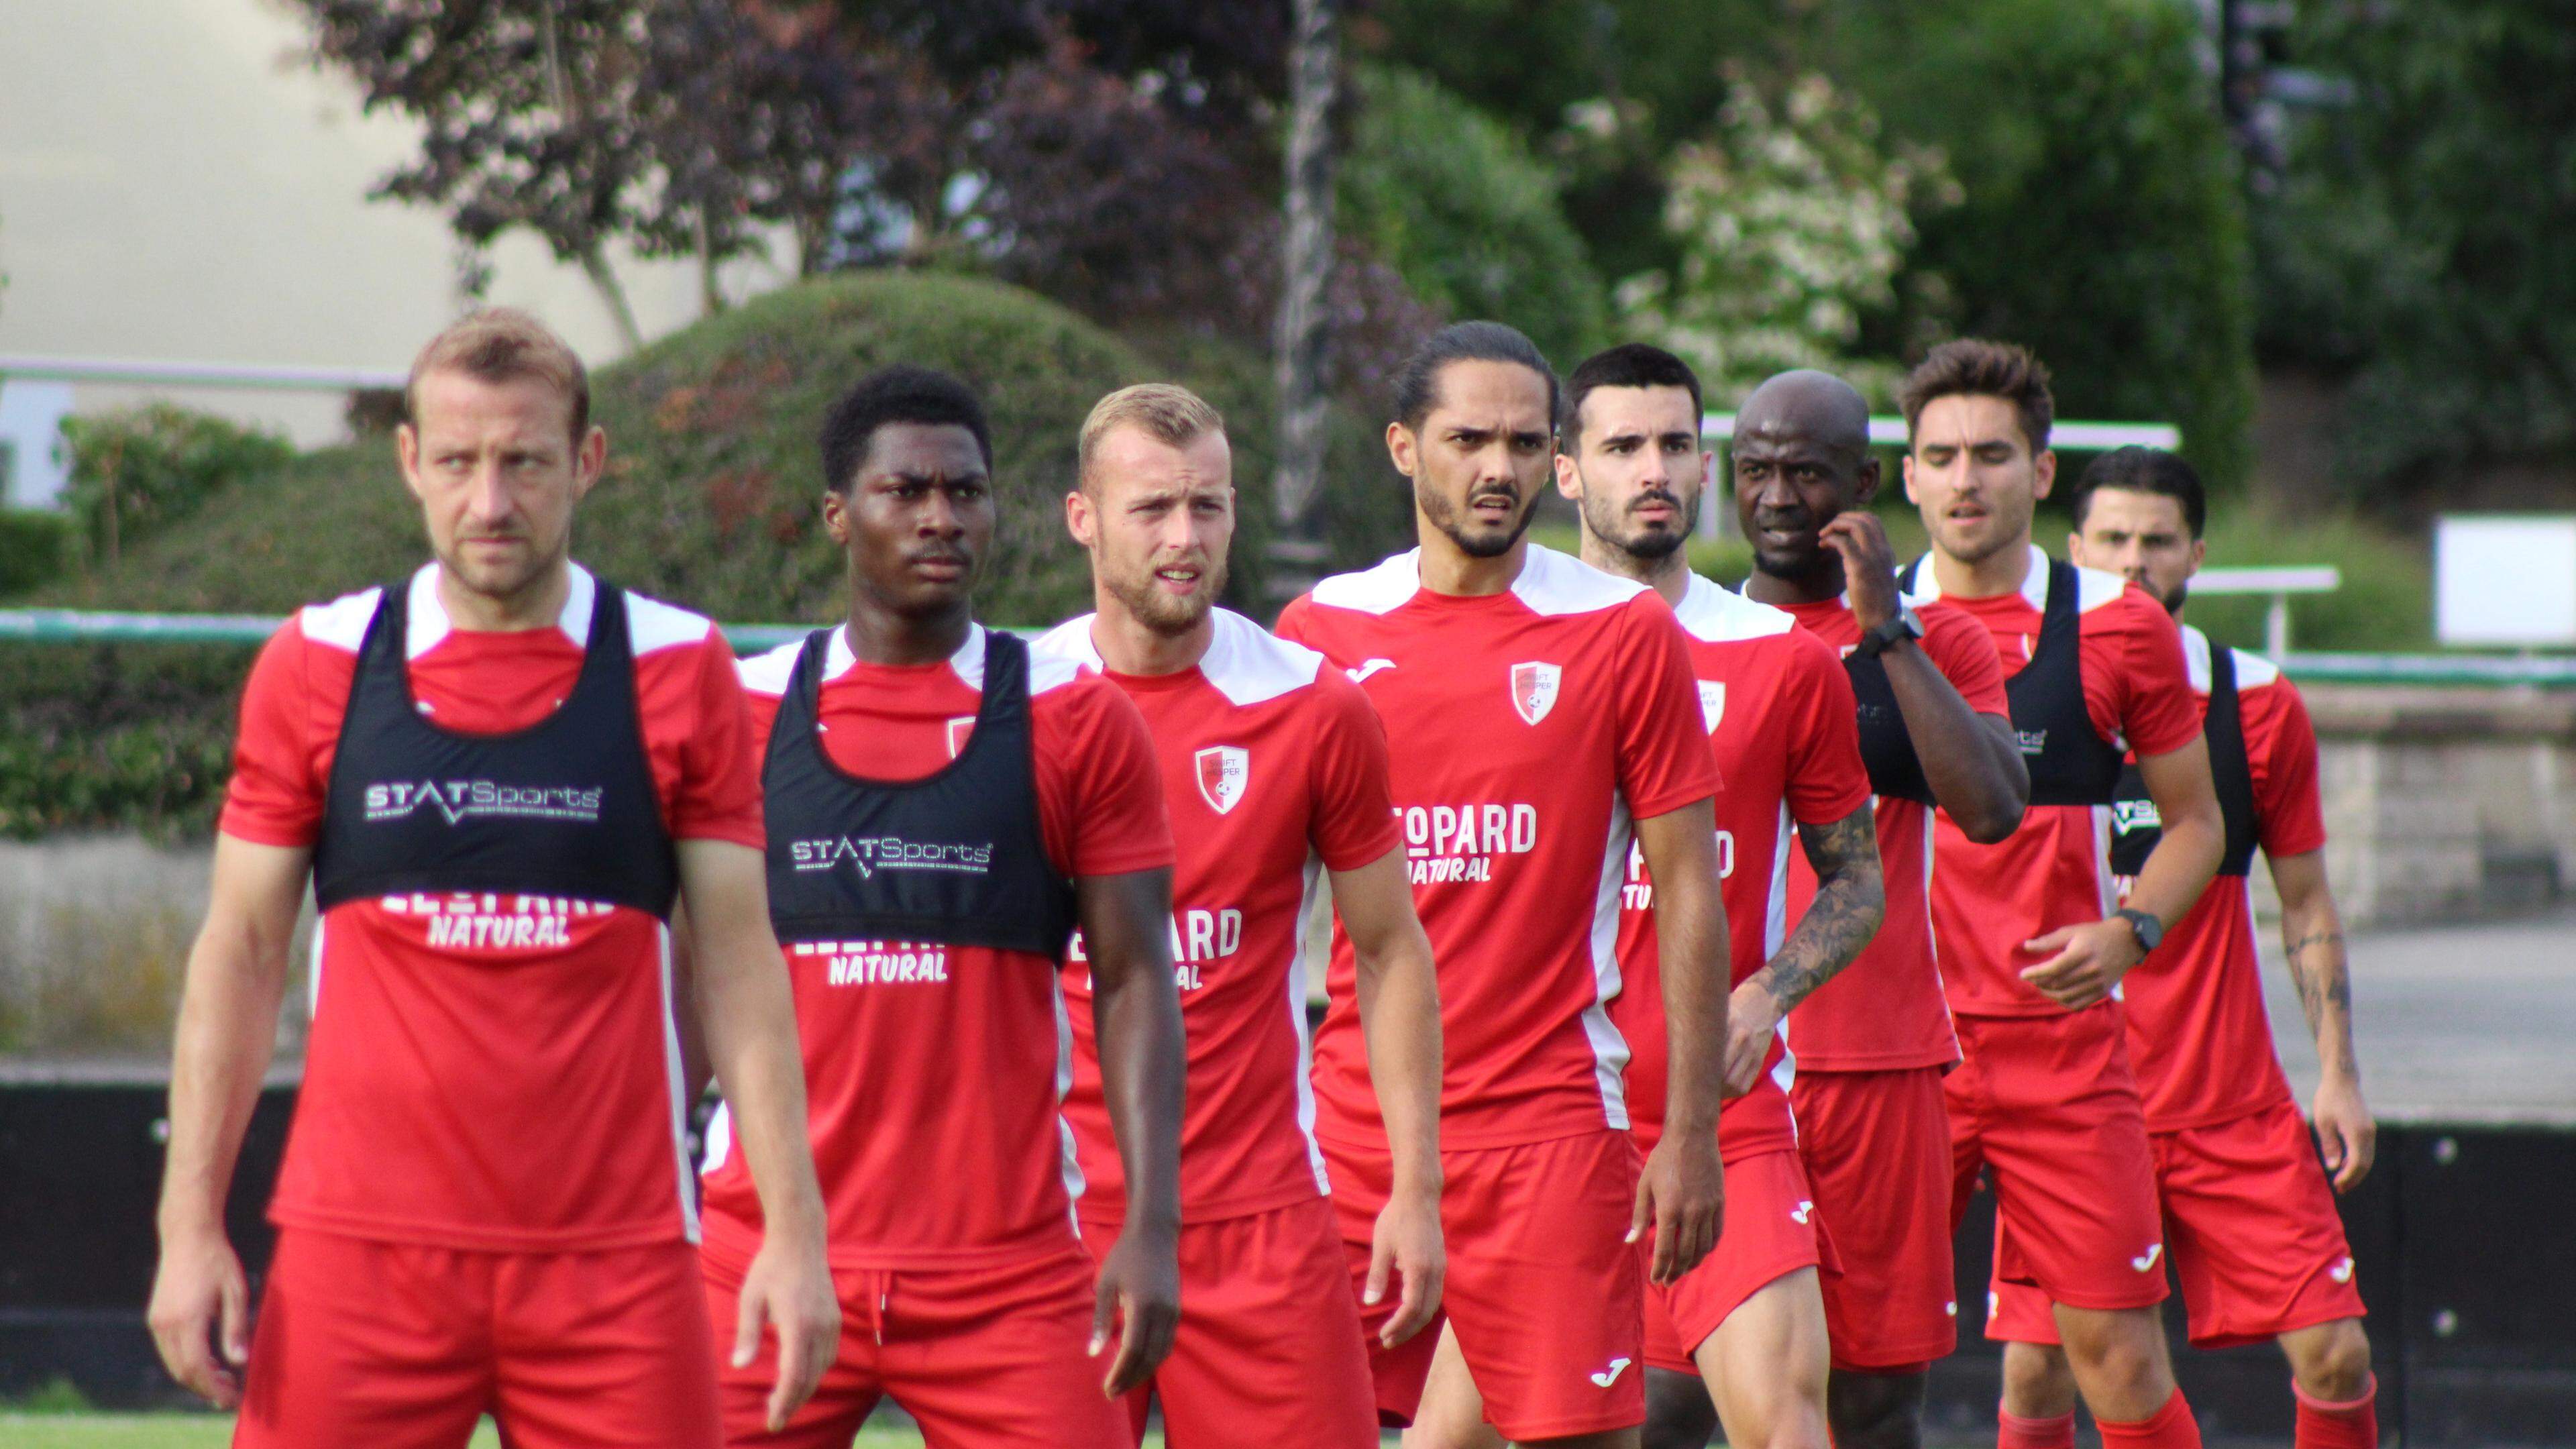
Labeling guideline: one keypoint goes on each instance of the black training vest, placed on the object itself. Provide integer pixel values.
(1886, 747)
(956, 857)
(565, 807)
(2069, 763)
(2135, 826)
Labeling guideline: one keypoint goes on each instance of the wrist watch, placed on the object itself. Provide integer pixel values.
(2150, 930)
(1906, 625)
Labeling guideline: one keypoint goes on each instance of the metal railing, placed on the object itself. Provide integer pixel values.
(2280, 584)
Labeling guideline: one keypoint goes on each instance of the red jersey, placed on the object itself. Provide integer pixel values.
(1526, 730)
(490, 1071)
(1274, 770)
(1988, 899)
(1885, 1011)
(1780, 720)
(2198, 1033)
(932, 1086)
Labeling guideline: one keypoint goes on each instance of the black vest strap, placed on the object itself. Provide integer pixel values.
(2070, 764)
(1886, 747)
(566, 807)
(957, 857)
(2135, 826)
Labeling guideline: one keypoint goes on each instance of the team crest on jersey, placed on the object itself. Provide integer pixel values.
(1223, 769)
(1534, 690)
(1712, 702)
(960, 730)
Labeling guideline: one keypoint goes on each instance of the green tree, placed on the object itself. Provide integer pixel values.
(2102, 222)
(1463, 211)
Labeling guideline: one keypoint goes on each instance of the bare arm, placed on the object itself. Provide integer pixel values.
(1136, 1017)
(1399, 1003)
(2312, 941)
(1683, 1186)
(1850, 900)
(2091, 958)
(747, 1019)
(227, 1031)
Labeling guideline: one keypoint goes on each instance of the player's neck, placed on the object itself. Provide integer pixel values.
(879, 635)
(536, 605)
(1127, 646)
(1821, 584)
(1448, 569)
(2001, 572)
(1669, 576)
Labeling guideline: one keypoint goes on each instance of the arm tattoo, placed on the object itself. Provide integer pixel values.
(2325, 988)
(1842, 918)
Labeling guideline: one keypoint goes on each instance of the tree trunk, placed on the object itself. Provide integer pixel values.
(603, 279)
(710, 297)
(1299, 332)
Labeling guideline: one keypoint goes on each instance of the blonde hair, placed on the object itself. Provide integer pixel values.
(503, 344)
(1164, 411)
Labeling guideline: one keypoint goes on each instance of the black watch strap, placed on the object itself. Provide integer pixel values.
(2151, 932)
(1905, 625)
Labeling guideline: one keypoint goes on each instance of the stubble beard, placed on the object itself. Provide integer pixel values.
(1647, 546)
(1482, 543)
(1160, 612)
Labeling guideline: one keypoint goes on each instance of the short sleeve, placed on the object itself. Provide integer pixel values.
(275, 796)
(2159, 710)
(1101, 784)
(1293, 620)
(2288, 809)
(1354, 807)
(717, 796)
(1965, 654)
(1664, 759)
(1827, 780)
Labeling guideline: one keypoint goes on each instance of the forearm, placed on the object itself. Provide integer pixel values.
(2313, 946)
(227, 1031)
(1975, 770)
(747, 1021)
(1837, 926)
(2180, 867)
(1136, 1016)
(1691, 941)
(1399, 1007)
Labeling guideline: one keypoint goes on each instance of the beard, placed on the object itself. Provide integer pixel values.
(506, 578)
(1646, 544)
(1159, 611)
(1475, 538)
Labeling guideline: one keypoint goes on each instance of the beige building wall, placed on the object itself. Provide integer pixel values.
(176, 184)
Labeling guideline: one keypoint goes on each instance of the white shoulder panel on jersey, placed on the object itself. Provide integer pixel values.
(1069, 640)
(1382, 589)
(1046, 671)
(2253, 671)
(770, 671)
(341, 623)
(2097, 588)
(1250, 665)
(652, 624)
(1553, 583)
(2195, 659)
(1718, 615)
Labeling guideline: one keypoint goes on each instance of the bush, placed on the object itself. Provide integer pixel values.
(33, 548)
(154, 465)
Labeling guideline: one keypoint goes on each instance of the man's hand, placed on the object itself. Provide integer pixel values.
(2090, 959)
(789, 1288)
(200, 1300)
(1869, 565)
(2349, 1138)
(1140, 1282)
(1682, 1195)
(1752, 1024)
(1406, 1242)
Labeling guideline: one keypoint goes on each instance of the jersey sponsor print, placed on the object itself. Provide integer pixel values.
(1988, 899)
(1274, 770)
(1779, 718)
(1885, 1011)
(934, 1071)
(1526, 730)
(445, 1019)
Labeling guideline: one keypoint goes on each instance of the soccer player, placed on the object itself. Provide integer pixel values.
(943, 810)
(499, 775)
(2031, 954)
(1274, 770)
(1540, 714)
(2249, 1217)
(1874, 1043)
(1749, 1321)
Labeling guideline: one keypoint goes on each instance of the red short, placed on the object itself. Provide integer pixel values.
(1544, 1289)
(2048, 1107)
(399, 1344)
(1771, 1232)
(1877, 1149)
(1269, 1349)
(2255, 1237)
(987, 1356)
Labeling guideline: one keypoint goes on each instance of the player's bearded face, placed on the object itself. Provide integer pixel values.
(2144, 538)
(1973, 476)
(1481, 456)
(1639, 474)
(1162, 525)
(497, 470)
